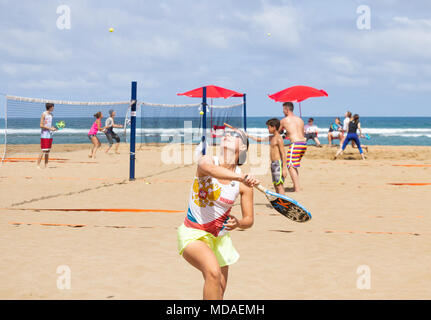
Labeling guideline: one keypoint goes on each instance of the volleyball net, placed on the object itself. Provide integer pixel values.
(20, 123)
(169, 123)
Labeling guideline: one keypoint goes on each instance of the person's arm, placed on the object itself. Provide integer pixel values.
(42, 124)
(206, 167)
(282, 128)
(360, 130)
(247, 210)
(99, 126)
(258, 139)
(115, 125)
(283, 157)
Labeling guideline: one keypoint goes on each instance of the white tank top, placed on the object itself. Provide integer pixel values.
(46, 134)
(210, 203)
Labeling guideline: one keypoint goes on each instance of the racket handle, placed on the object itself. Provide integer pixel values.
(260, 188)
(228, 125)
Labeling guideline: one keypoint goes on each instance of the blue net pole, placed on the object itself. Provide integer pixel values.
(133, 132)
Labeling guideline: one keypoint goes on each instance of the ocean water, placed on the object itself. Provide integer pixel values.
(415, 131)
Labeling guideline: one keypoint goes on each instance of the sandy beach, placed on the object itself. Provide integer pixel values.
(360, 218)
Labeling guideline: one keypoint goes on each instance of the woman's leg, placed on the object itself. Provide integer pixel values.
(96, 145)
(200, 256)
(330, 139)
(224, 274)
(345, 143)
(358, 143)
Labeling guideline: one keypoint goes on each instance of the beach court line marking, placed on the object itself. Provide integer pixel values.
(411, 165)
(75, 225)
(372, 232)
(410, 184)
(399, 217)
(98, 210)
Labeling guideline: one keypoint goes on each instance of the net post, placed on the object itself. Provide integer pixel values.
(204, 118)
(133, 131)
(245, 111)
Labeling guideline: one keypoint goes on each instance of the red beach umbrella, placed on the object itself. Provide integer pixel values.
(297, 94)
(212, 92)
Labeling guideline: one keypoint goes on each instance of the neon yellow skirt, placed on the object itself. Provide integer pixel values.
(221, 246)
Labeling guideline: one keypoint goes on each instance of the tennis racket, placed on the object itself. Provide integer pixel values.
(60, 125)
(286, 206)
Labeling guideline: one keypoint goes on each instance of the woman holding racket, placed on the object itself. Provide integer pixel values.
(92, 134)
(203, 238)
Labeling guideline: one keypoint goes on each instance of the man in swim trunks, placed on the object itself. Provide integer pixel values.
(46, 129)
(277, 154)
(295, 130)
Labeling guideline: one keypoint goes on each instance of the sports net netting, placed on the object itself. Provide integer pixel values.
(20, 122)
(163, 123)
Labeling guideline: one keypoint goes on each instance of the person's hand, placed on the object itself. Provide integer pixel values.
(249, 180)
(284, 172)
(53, 129)
(232, 223)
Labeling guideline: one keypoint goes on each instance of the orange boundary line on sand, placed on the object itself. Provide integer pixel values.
(411, 165)
(73, 225)
(100, 210)
(401, 217)
(411, 184)
(371, 232)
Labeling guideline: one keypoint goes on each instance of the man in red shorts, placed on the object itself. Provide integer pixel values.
(46, 133)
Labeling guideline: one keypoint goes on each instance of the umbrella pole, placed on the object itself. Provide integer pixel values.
(204, 120)
(300, 113)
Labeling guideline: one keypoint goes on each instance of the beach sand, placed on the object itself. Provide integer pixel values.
(359, 220)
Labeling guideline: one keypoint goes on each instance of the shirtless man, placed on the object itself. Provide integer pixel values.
(294, 127)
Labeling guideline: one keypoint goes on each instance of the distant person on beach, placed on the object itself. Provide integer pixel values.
(294, 127)
(311, 131)
(354, 126)
(335, 131)
(203, 239)
(46, 129)
(110, 134)
(347, 117)
(92, 134)
(277, 154)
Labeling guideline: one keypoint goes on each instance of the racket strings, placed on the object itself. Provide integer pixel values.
(289, 210)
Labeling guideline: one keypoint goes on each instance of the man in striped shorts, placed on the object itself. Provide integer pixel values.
(294, 127)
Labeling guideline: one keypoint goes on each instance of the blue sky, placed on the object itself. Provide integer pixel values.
(171, 46)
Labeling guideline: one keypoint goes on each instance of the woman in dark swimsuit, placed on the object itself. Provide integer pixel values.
(354, 125)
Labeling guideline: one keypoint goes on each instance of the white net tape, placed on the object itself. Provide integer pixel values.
(64, 102)
(149, 104)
